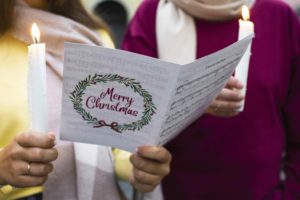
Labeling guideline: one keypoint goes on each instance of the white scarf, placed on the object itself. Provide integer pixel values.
(175, 26)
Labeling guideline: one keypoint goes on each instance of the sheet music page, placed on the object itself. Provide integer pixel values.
(113, 97)
(198, 84)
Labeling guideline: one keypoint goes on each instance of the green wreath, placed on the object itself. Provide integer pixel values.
(76, 98)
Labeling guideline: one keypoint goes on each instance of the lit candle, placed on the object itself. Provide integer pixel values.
(37, 83)
(246, 28)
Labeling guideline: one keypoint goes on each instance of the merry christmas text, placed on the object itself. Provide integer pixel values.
(117, 102)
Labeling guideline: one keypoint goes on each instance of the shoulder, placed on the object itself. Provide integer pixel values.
(148, 6)
(275, 3)
(275, 16)
(273, 9)
(140, 36)
(145, 17)
(147, 9)
(276, 21)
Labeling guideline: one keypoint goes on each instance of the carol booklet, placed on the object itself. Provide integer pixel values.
(125, 100)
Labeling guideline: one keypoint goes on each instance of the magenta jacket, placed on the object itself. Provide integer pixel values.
(244, 157)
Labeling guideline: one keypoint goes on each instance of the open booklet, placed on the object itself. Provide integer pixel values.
(125, 100)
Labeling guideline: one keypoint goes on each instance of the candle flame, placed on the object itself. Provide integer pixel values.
(245, 13)
(35, 33)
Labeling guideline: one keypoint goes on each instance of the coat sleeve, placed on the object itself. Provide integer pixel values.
(291, 115)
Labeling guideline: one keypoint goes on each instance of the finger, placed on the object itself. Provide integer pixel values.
(150, 166)
(230, 95)
(17, 168)
(36, 140)
(36, 155)
(234, 83)
(146, 178)
(29, 181)
(139, 186)
(159, 154)
(228, 106)
(38, 169)
(223, 113)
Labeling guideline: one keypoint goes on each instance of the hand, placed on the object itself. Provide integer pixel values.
(26, 161)
(150, 166)
(230, 99)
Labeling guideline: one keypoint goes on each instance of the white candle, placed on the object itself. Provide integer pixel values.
(37, 83)
(246, 28)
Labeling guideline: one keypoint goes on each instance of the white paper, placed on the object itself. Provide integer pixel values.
(98, 81)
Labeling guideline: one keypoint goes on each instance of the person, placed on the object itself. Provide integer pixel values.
(251, 155)
(81, 171)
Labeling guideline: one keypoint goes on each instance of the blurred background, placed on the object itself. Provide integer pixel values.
(116, 13)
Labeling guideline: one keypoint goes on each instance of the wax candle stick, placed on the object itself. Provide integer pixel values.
(37, 83)
(246, 27)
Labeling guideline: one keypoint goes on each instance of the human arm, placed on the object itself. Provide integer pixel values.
(26, 161)
(150, 165)
(291, 116)
(292, 157)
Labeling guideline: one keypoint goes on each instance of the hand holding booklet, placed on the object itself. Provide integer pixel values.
(125, 100)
